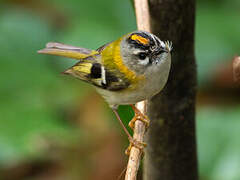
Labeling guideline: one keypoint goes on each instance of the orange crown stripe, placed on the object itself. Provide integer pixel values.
(139, 39)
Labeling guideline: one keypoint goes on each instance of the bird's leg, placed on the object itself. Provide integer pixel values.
(132, 141)
(124, 128)
(138, 116)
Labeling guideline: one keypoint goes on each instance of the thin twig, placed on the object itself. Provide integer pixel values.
(135, 155)
(142, 15)
(143, 23)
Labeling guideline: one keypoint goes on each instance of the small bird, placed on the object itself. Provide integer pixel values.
(130, 69)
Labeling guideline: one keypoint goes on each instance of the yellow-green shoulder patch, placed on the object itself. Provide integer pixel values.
(113, 61)
(83, 67)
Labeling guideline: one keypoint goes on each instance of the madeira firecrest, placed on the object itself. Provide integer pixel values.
(130, 69)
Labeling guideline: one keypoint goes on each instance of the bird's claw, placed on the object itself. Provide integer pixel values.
(140, 117)
(135, 143)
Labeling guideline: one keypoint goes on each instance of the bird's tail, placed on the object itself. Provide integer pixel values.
(64, 50)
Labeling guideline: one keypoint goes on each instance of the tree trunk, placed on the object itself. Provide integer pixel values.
(171, 150)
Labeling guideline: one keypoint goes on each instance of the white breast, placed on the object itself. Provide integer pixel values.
(156, 78)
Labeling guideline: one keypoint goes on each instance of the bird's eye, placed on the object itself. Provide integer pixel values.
(142, 55)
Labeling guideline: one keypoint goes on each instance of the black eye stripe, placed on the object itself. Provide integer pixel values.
(142, 55)
(159, 51)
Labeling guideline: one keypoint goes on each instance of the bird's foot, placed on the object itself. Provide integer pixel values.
(135, 143)
(138, 116)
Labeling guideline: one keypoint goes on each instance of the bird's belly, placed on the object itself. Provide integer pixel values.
(122, 97)
(144, 91)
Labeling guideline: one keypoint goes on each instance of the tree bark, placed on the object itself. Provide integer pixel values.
(171, 150)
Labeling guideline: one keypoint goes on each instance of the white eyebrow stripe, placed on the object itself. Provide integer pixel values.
(154, 39)
(103, 75)
(162, 44)
(136, 51)
(155, 42)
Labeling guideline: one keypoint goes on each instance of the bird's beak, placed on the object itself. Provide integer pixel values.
(64, 50)
(165, 50)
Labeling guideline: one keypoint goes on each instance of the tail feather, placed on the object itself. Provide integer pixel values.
(64, 50)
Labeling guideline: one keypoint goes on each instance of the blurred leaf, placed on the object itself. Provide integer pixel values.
(218, 141)
(30, 92)
(216, 37)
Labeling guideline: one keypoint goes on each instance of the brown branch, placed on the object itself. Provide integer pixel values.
(236, 69)
(143, 23)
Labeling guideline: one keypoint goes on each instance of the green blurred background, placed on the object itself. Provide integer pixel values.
(56, 127)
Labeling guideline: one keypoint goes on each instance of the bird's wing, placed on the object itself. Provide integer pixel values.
(88, 68)
(60, 49)
(98, 75)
